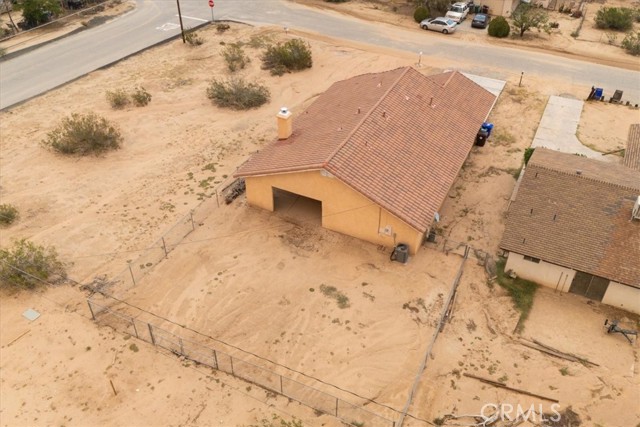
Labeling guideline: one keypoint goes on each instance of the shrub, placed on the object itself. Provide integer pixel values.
(615, 18)
(235, 58)
(36, 12)
(421, 13)
(27, 265)
(8, 214)
(499, 27)
(293, 55)
(192, 38)
(84, 134)
(118, 98)
(141, 97)
(631, 43)
(237, 94)
(221, 28)
(528, 152)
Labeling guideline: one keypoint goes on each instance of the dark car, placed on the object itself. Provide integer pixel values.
(480, 21)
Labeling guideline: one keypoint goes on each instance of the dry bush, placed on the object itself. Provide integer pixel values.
(8, 214)
(27, 265)
(293, 55)
(237, 94)
(141, 97)
(193, 38)
(118, 98)
(83, 134)
(235, 57)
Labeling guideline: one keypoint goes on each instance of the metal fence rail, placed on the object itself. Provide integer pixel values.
(307, 395)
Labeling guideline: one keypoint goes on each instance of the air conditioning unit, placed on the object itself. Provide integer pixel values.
(635, 213)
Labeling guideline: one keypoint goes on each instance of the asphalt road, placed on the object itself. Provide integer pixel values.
(56, 63)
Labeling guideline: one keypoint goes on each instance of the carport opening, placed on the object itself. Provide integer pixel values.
(296, 207)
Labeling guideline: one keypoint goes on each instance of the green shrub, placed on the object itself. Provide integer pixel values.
(141, 97)
(83, 134)
(421, 13)
(36, 12)
(118, 98)
(499, 27)
(615, 18)
(237, 94)
(192, 38)
(631, 43)
(27, 265)
(293, 55)
(528, 152)
(235, 57)
(8, 214)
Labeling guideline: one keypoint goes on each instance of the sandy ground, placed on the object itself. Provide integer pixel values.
(100, 212)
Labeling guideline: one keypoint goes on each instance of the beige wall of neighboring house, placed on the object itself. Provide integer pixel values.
(623, 296)
(343, 209)
(500, 7)
(544, 273)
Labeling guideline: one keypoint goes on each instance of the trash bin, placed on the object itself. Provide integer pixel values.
(485, 9)
(488, 127)
(477, 8)
(598, 93)
(481, 137)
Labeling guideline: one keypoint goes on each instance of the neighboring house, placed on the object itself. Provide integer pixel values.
(500, 7)
(632, 152)
(572, 228)
(379, 152)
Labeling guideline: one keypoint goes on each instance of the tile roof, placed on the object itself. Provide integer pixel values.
(579, 221)
(632, 152)
(398, 137)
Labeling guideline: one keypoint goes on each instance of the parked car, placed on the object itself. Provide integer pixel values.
(480, 20)
(458, 12)
(442, 25)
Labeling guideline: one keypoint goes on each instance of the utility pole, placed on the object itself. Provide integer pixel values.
(184, 40)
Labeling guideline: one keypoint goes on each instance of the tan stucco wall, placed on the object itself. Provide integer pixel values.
(546, 274)
(623, 296)
(500, 7)
(343, 209)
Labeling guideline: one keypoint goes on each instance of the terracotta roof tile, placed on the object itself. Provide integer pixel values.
(632, 152)
(403, 150)
(580, 221)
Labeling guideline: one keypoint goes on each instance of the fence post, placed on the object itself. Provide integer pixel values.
(231, 360)
(153, 340)
(281, 390)
(131, 271)
(181, 346)
(217, 201)
(215, 359)
(164, 246)
(336, 406)
(134, 327)
(193, 224)
(93, 316)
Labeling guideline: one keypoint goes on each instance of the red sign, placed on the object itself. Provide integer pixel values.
(211, 3)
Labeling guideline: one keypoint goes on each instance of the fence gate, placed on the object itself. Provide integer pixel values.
(588, 285)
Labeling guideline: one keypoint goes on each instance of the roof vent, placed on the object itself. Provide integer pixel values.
(635, 213)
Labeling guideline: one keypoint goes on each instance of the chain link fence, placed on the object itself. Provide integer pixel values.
(268, 379)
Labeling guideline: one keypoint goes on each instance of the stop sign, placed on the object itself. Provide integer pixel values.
(211, 3)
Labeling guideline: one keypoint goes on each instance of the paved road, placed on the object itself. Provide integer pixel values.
(56, 63)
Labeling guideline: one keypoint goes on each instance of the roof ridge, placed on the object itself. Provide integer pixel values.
(594, 179)
(366, 116)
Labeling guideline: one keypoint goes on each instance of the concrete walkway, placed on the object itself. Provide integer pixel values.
(557, 129)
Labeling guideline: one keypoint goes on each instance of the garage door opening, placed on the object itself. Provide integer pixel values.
(296, 207)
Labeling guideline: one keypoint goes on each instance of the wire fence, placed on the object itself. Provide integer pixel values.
(268, 379)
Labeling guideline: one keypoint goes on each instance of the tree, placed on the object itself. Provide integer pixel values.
(527, 16)
(36, 12)
(440, 6)
(614, 18)
(8, 6)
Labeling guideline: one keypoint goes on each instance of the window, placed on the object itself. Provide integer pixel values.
(532, 259)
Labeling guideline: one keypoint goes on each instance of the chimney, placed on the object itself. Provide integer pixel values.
(285, 123)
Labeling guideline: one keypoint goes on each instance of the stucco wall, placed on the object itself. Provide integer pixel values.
(546, 274)
(623, 296)
(500, 7)
(343, 209)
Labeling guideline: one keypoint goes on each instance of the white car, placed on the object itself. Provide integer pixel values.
(458, 12)
(442, 25)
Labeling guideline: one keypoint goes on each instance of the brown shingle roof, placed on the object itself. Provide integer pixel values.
(580, 221)
(404, 148)
(632, 152)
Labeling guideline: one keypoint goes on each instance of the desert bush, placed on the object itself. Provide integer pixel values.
(221, 28)
(235, 57)
(294, 55)
(141, 97)
(192, 38)
(614, 18)
(8, 214)
(83, 134)
(237, 94)
(528, 152)
(118, 98)
(499, 27)
(27, 265)
(420, 14)
(631, 43)
(36, 12)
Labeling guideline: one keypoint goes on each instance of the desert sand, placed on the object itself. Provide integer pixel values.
(246, 276)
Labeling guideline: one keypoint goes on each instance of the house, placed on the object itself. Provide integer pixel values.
(632, 152)
(378, 153)
(575, 227)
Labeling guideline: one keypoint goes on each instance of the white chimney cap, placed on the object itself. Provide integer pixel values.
(284, 110)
